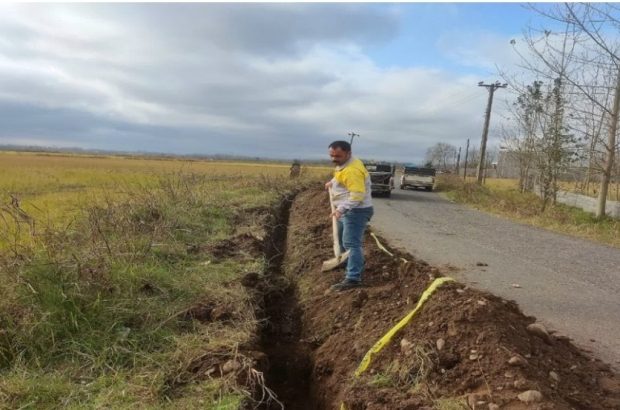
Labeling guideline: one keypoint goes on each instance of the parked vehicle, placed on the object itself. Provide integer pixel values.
(381, 178)
(416, 177)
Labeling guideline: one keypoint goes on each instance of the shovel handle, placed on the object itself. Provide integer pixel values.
(337, 252)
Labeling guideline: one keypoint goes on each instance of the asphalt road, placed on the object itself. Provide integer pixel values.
(571, 285)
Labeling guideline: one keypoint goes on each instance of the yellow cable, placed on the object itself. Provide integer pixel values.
(379, 244)
(403, 322)
(383, 247)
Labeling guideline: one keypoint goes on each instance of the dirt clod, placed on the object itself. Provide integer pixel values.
(554, 376)
(609, 385)
(250, 280)
(201, 312)
(359, 299)
(222, 313)
(530, 396)
(517, 360)
(540, 331)
(230, 366)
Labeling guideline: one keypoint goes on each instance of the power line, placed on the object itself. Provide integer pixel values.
(450, 100)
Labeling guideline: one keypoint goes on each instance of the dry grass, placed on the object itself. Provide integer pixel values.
(451, 404)
(95, 298)
(503, 198)
(53, 188)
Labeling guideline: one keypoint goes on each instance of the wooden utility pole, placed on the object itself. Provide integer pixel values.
(458, 161)
(485, 130)
(465, 165)
(352, 134)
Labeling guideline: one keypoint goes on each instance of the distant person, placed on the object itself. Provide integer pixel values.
(350, 189)
(295, 169)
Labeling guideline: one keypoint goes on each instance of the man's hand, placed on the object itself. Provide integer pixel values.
(336, 214)
(328, 184)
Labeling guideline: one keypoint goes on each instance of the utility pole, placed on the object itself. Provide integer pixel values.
(458, 161)
(485, 131)
(465, 168)
(352, 135)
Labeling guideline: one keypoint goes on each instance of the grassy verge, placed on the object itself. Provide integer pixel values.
(130, 302)
(504, 199)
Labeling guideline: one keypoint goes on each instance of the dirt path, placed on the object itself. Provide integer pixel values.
(569, 284)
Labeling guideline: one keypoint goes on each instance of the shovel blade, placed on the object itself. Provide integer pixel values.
(334, 263)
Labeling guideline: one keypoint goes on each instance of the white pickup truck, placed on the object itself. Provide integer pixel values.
(415, 177)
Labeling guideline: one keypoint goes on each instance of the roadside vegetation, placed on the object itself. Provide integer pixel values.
(115, 289)
(503, 197)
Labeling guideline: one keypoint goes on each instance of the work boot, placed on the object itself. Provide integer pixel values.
(346, 284)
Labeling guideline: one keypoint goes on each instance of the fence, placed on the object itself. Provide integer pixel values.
(588, 204)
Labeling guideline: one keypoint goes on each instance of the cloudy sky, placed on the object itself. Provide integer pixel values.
(278, 80)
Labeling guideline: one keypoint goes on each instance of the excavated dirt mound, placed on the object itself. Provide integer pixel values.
(465, 347)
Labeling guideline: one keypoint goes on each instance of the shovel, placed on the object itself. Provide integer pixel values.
(340, 257)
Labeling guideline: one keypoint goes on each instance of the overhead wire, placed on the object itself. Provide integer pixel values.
(451, 100)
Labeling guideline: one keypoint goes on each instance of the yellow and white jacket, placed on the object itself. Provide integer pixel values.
(351, 186)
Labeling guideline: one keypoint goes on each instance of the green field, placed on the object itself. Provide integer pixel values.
(53, 186)
(105, 262)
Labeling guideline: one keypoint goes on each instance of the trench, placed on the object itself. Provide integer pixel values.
(312, 346)
(289, 361)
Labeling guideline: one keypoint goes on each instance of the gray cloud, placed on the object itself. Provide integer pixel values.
(278, 80)
(266, 29)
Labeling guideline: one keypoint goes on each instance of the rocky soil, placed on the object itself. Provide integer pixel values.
(465, 349)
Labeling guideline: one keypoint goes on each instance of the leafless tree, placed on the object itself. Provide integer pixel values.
(442, 155)
(585, 55)
(521, 144)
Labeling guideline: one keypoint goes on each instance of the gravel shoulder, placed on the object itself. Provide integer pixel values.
(571, 285)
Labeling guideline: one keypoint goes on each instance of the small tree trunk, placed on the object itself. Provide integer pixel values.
(545, 199)
(610, 152)
(592, 154)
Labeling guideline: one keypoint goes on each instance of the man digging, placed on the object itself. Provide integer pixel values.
(350, 194)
